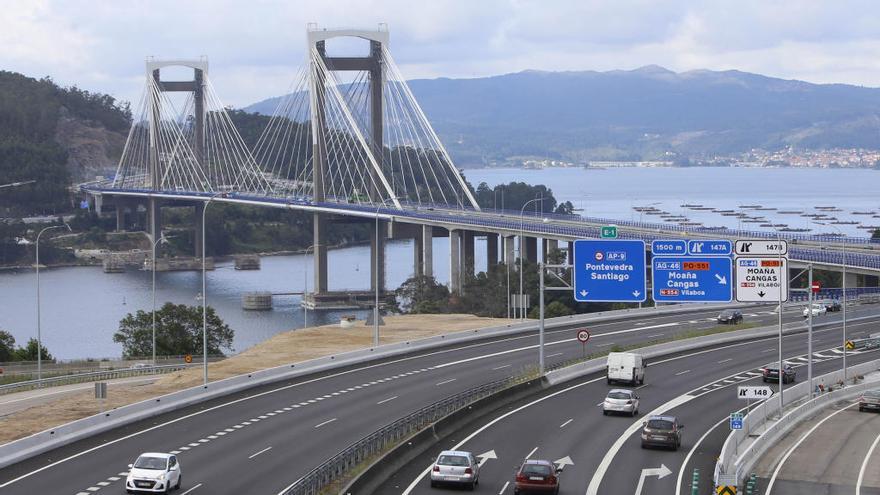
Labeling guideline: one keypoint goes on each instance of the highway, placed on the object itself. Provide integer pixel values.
(265, 439)
(567, 423)
(834, 452)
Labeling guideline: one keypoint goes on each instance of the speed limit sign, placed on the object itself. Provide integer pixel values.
(583, 336)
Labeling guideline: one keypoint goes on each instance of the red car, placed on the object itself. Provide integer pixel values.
(537, 476)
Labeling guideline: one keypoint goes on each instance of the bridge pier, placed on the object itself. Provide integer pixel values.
(550, 245)
(491, 250)
(455, 285)
(570, 253)
(377, 257)
(531, 249)
(425, 252)
(154, 218)
(120, 217)
(852, 280)
(319, 241)
(509, 250)
(468, 262)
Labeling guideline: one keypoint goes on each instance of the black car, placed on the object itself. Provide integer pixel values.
(730, 316)
(771, 374)
(832, 305)
(662, 431)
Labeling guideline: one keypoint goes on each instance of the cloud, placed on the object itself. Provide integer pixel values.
(255, 48)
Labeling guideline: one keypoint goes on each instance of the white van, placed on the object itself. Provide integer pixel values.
(626, 367)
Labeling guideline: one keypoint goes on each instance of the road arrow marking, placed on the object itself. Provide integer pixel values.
(565, 461)
(485, 456)
(660, 473)
(721, 279)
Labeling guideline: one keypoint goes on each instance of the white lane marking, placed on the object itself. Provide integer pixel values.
(655, 335)
(444, 382)
(260, 452)
(563, 425)
(690, 453)
(191, 489)
(506, 483)
(103, 483)
(865, 466)
(767, 350)
(325, 422)
(798, 444)
(501, 367)
(741, 377)
(557, 342)
(554, 355)
(601, 403)
(532, 452)
(114, 478)
(488, 425)
(93, 488)
(386, 400)
(605, 345)
(682, 372)
(725, 360)
(593, 488)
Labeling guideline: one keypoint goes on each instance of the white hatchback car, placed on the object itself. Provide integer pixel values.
(153, 472)
(455, 467)
(621, 400)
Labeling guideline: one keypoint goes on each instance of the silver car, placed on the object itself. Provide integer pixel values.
(455, 467)
(620, 400)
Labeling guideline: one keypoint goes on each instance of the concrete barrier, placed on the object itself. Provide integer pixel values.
(24, 448)
(732, 461)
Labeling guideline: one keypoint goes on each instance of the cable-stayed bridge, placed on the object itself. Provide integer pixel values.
(350, 141)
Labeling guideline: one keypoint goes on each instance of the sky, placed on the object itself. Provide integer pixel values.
(255, 47)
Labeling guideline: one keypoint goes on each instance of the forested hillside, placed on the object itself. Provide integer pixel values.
(46, 132)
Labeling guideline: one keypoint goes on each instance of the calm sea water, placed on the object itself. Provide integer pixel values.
(82, 306)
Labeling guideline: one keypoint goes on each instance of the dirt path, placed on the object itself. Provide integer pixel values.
(285, 348)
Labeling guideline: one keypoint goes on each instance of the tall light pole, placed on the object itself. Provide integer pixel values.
(843, 286)
(154, 242)
(522, 211)
(16, 184)
(376, 277)
(205, 293)
(39, 333)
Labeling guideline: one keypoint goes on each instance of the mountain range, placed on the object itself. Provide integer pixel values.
(642, 114)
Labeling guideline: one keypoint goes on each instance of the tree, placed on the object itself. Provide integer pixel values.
(7, 346)
(422, 294)
(553, 310)
(29, 352)
(178, 331)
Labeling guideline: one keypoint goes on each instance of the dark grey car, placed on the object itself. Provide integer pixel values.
(662, 431)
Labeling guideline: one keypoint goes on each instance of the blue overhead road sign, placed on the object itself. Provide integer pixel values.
(668, 247)
(699, 247)
(692, 279)
(609, 271)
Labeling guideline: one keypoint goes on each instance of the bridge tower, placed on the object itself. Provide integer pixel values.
(373, 64)
(156, 167)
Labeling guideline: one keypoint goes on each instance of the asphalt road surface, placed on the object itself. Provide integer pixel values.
(264, 439)
(605, 452)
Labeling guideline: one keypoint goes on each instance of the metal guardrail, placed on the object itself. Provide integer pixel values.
(89, 377)
(336, 467)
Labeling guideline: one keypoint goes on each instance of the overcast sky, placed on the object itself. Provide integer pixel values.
(254, 47)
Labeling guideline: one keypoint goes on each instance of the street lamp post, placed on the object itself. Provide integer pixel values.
(843, 287)
(154, 242)
(205, 293)
(39, 332)
(522, 212)
(376, 277)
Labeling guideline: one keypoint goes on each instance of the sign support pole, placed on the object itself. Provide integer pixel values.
(783, 279)
(541, 316)
(809, 332)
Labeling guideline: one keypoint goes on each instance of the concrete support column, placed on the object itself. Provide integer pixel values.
(99, 204)
(455, 261)
(427, 244)
(120, 217)
(530, 250)
(852, 280)
(377, 257)
(154, 218)
(469, 240)
(198, 211)
(550, 246)
(509, 249)
(418, 253)
(570, 252)
(319, 239)
(491, 250)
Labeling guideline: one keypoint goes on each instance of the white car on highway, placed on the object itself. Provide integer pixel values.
(818, 309)
(620, 400)
(153, 472)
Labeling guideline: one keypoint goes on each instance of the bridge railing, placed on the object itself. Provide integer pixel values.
(92, 376)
